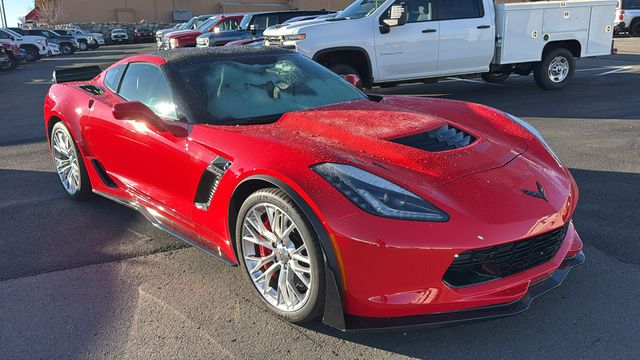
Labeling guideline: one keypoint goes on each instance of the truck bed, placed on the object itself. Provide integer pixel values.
(524, 28)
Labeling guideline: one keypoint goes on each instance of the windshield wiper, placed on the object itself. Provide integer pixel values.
(266, 119)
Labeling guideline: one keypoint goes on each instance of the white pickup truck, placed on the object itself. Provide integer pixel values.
(397, 41)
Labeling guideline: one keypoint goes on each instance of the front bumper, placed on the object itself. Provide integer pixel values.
(538, 288)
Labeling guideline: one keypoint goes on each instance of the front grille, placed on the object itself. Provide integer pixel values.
(274, 40)
(443, 138)
(491, 263)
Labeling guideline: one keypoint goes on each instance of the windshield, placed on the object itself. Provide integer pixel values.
(359, 9)
(244, 23)
(15, 34)
(259, 89)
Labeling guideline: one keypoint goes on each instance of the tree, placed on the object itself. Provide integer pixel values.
(50, 12)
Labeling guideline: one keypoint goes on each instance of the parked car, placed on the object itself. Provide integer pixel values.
(9, 54)
(217, 23)
(142, 35)
(67, 44)
(119, 36)
(54, 50)
(99, 38)
(393, 41)
(628, 17)
(193, 23)
(85, 41)
(252, 25)
(94, 39)
(365, 211)
(34, 46)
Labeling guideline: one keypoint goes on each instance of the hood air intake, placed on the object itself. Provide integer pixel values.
(443, 138)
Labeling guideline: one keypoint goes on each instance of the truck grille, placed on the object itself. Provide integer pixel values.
(491, 263)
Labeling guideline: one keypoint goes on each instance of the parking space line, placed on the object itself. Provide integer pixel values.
(617, 70)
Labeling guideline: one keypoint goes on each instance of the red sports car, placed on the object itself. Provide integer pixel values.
(372, 212)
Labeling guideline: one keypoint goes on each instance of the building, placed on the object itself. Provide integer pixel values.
(167, 11)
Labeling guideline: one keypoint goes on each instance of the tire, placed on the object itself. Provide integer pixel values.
(634, 29)
(13, 63)
(66, 49)
(285, 256)
(83, 46)
(344, 69)
(33, 54)
(77, 184)
(556, 69)
(495, 78)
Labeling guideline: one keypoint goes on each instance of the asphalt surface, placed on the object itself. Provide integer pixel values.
(95, 280)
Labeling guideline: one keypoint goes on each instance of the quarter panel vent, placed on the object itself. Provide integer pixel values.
(443, 138)
(209, 182)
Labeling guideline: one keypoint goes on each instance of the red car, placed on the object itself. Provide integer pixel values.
(372, 212)
(187, 38)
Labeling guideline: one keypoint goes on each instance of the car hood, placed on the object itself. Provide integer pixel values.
(289, 28)
(371, 135)
(184, 33)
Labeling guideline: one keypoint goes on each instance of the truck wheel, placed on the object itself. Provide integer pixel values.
(343, 69)
(634, 29)
(83, 46)
(495, 78)
(32, 54)
(67, 49)
(10, 65)
(556, 70)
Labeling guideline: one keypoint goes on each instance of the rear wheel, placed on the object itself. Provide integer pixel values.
(495, 78)
(70, 166)
(556, 70)
(12, 64)
(634, 29)
(66, 49)
(281, 255)
(32, 54)
(83, 46)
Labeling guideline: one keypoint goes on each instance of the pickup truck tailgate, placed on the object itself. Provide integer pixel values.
(523, 29)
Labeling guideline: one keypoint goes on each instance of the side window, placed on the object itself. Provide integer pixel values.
(228, 24)
(417, 10)
(113, 76)
(146, 83)
(264, 21)
(4, 35)
(461, 9)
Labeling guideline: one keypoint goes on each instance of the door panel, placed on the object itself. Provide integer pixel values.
(467, 33)
(409, 50)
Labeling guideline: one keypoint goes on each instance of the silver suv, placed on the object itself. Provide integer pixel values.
(628, 17)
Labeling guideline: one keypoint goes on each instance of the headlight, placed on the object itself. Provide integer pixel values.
(294, 37)
(535, 133)
(378, 196)
(173, 43)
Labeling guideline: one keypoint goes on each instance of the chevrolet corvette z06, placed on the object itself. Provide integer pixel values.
(367, 211)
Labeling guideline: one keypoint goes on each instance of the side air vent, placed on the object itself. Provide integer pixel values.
(443, 138)
(209, 182)
(102, 173)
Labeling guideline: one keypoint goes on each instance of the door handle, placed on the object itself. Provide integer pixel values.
(429, 30)
(91, 104)
(484, 26)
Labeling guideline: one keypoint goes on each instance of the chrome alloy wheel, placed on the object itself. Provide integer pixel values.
(66, 160)
(276, 257)
(558, 69)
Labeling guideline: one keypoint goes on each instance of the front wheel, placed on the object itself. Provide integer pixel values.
(556, 70)
(281, 255)
(32, 54)
(83, 46)
(70, 166)
(12, 64)
(495, 78)
(66, 49)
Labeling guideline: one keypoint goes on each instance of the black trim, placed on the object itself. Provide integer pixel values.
(209, 181)
(81, 73)
(356, 323)
(367, 82)
(333, 311)
(102, 173)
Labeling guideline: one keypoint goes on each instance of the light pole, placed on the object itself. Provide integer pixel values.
(3, 13)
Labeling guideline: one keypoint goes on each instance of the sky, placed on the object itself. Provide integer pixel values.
(16, 8)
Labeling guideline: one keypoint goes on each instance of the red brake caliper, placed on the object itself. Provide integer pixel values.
(263, 250)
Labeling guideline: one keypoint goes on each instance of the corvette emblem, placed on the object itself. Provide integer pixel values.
(537, 194)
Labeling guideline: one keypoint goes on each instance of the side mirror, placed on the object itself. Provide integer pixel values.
(398, 16)
(254, 29)
(135, 110)
(353, 79)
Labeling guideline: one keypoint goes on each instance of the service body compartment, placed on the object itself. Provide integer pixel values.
(523, 29)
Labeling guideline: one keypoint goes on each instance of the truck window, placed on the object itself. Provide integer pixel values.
(460, 9)
(264, 21)
(417, 10)
(630, 4)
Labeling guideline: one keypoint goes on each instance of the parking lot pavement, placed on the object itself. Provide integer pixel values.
(95, 280)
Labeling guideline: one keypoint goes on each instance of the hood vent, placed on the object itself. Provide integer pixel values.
(443, 138)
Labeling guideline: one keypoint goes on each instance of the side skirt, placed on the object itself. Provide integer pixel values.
(157, 223)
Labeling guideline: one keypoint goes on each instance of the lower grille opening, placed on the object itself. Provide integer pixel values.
(491, 263)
